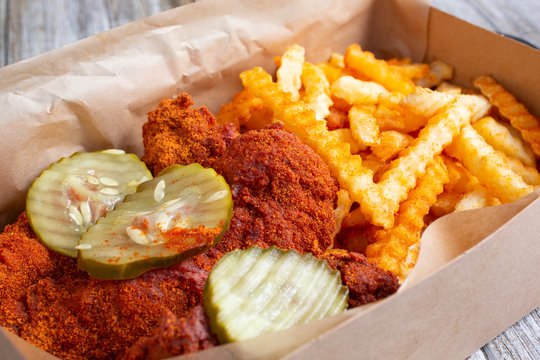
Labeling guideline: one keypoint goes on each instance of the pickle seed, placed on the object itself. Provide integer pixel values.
(75, 215)
(159, 191)
(107, 181)
(137, 235)
(137, 182)
(92, 180)
(86, 213)
(162, 222)
(83, 247)
(216, 196)
(109, 191)
(114, 151)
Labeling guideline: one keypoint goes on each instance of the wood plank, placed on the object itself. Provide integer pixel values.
(478, 355)
(36, 26)
(3, 31)
(516, 18)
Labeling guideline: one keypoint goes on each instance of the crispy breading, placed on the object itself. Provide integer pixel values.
(176, 134)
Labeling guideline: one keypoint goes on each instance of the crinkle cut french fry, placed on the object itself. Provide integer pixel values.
(390, 144)
(445, 204)
(448, 88)
(332, 73)
(475, 199)
(426, 102)
(409, 70)
(364, 62)
(343, 206)
(337, 60)
(288, 74)
(317, 90)
(411, 164)
(391, 247)
(355, 219)
(461, 180)
(363, 125)
(488, 166)
(529, 174)
(372, 162)
(513, 110)
(345, 136)
(438, 72)
(501, 138)
(240, 109)
(394, 117)
(337, 118)
(357, 92)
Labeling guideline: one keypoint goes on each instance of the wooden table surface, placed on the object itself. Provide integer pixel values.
(30, 27)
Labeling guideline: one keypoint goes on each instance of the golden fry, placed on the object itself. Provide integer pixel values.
(390, 144)
(501, 138)
(488, 166)
(448, 88)
(438, 72)
(357, 92)
(529, 174)
(288, 74)
(445, 204)
(409, 70)
(240, 109)
(391, 247)
(426, 102)
(317, 90)
(344, 204)
(363, 125)
(514, 111)
(355, 219)
(331, 72)
(337, 60)
(345, 136)
(364, 62)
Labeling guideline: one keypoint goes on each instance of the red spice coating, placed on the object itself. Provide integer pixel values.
(283, 192)
(174, 336)
(175, 134)
(366, 282)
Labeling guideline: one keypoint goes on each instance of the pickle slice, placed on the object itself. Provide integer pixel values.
(176, 215)
(74, 192)
(253, 292)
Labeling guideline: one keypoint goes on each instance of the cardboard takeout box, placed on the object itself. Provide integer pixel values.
(477, 272)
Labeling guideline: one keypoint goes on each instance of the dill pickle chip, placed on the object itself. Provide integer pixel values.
(253, 292)
(176, 215)
(74, 192)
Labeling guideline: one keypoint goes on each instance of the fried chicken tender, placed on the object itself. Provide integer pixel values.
(283, 192)
(176, 134)
(175, 336)
(366, 281)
